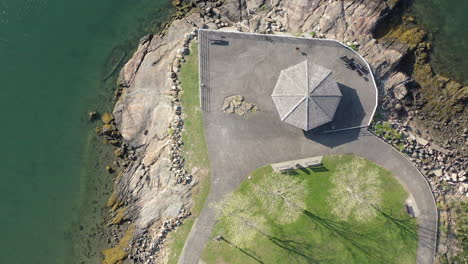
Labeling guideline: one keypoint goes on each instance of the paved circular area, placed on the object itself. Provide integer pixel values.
(237, 145)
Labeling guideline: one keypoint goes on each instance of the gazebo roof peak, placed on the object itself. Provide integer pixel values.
(306, 95)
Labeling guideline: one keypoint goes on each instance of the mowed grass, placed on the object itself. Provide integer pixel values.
(194, 150)
(318, 236)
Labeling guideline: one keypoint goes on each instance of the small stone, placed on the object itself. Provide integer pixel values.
(178, 109)
(109, 169)
(421, 141)
(108, 129)
(400, 91)
(461, 189)
(92, 115)
(461, 174)
(115, 134)
(118, 152)
(454, 177)
(438, 172)
(398, 107)
(212, 26)
(113, 142)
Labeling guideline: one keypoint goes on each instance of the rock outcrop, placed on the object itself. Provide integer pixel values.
(236, 104)
(154, 188)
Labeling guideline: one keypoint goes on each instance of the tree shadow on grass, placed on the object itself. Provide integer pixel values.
(351, 239)
(248, 252)
(356, 243)
(297, 249)
(407, 228)
(410, 231)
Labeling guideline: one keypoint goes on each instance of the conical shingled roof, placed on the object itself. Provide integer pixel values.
(306, 95)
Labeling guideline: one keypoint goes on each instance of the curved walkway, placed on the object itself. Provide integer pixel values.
(234, 161)
(237, 146)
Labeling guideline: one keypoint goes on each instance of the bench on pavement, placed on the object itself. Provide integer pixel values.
(297, 164)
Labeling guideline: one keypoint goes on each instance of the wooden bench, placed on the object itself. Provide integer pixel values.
(297, 164)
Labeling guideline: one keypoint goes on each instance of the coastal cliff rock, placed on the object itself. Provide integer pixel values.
(145, 112)
(148, 188)
(346, 21)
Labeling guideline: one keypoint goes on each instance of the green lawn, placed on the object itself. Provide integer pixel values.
(318, 236)
(194, 150)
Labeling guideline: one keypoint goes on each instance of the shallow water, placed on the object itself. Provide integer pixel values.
(447, 23)
(53, 56)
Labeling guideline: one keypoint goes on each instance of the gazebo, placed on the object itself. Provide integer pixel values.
(306, 95)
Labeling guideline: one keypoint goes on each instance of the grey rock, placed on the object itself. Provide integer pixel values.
(440, 149)
(400, 91)
(212, 25)
(454, 177)
(147, 177)
(438, 172)
(422, 141)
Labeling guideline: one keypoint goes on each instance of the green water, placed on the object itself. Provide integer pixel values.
(53, 57)
(447, 23)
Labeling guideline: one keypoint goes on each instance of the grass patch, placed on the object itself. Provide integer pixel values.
(459, 210)
(318, 236)
(194, 150)
(400, 147)
(385, 130)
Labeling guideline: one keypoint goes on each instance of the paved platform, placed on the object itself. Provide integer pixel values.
(248, 65)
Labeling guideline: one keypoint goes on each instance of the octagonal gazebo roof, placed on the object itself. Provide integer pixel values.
(306, 95)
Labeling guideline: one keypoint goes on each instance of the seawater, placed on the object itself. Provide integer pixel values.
(447, 24)
(54, 57)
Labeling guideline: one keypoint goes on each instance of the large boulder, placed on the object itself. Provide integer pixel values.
(107, 118)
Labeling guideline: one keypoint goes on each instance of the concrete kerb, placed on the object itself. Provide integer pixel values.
(305, 38)
(436, 240)
(199, 69)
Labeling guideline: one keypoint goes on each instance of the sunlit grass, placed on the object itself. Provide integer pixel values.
(318, 236)
(194, 150)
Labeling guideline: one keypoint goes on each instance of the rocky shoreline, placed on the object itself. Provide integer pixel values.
(153, 192)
